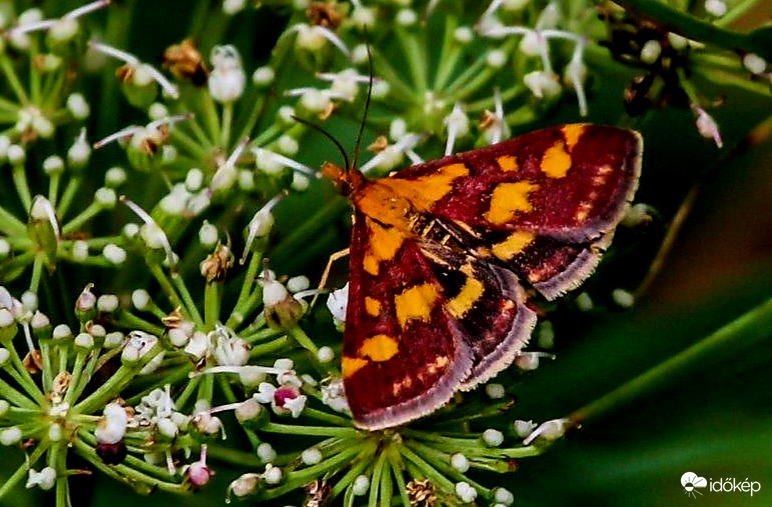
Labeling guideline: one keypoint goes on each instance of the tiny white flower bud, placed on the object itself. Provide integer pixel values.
(115, 177)
(6, 318)
(45, 479)
(10, 436)
(265, 452)
(287, 145)
(208, 234)
(300, 182)
(542, 84)
(678, 42)
(5, 354)
(622, 298)
(16, 155)
(227, 79)
(325, 354)
(650, 51)
(4, 405)
(194, 179)
(361, 485)
(465, 492)
(527, 361)
(311, 456)
(113, 339)
(61, 332)
(272, 474)
(5, 248)
(496, 58)
(716, 8)
(105, 197)
(492, 437)
(530, 44)
(231, 7)
(754, 63)
(84, 340)
(263, 76)
(178, 337)
(459, 462)
(107, 303)
(79, 152)
(463, 35)
(78, 107)
(53, 165)
(407, 17)
(298, 283)
(315, 101)
(584, 302)
(363, 16)
(157, 111)
(140, 298)
(495, 391)
(29, 301)
(285, 114)
(503, 496)
(115, 254)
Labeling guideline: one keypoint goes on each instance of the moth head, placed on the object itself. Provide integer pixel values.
(345, 181)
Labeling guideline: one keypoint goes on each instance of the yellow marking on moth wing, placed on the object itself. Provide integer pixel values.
(380, 347)
(509, 199)
(372, 306)
(470, 292)
(416, 303)
(424, 191)
(507, 163)
(584, 210)
(513, 245)
(383, 244)
(572, 133)
(556, 161)
(350, 365)
(439, 362)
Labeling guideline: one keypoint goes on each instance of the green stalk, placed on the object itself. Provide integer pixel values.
(752, 327)
(20, 472)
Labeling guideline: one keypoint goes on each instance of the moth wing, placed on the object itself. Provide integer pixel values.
(544, 204)
(403, 353)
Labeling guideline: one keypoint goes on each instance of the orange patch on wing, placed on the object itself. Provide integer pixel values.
(572, 133)
(383, 244)
(350, 365)
(423, 192)
(507, 163)
(470, 292)
(556, 161)
(415, 303)
(372, 306)
(507, 200)
(513, 245)
(380, 347)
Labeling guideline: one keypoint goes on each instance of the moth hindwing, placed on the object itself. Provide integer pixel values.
(441, 252)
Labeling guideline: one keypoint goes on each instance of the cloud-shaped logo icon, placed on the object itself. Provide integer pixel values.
(691, 481)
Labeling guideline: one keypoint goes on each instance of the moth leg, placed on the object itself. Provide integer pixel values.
(326, 274)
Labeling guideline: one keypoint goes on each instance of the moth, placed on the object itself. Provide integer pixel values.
(444, 256)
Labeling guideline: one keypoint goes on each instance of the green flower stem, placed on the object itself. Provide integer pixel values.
(416, 59)
(9, 106)
(53, 188)
(254, 115)
(473, 411)
(190, 305)
(168, 289)
(259, 336)
(114, 384)
(266, 349)
(377, 477)
(468, 75)
(34, 75)
(62, 484)
(211, 305)
(233, 456)
(128, 320)
(299, 238)
(88, 372)
(69, 194)
(401, 92)
(318, 431)
(363, 461)
(210, 117)
(303, 340)
(84, 216)
(449, 54)
(201, 137)
(125, 473)
(10, 225)
(423, 469)
(15, 397)
(23, 378)
(10, 74)
(295, 479)
(268, 134)
(328, 418)
(736, 11)
(186, 393)
(22, 188)
(747, 330)
(206, 388)
(37, 272)
(441, 461)
(253, 268)
(47, 377)
(757, 41)
(191, 145)
(22, 471)
(226, 389)
(227, 123)
(396, 469)
(77, 369)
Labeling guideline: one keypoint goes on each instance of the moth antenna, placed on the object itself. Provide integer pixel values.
(367, 99)
(327, 135)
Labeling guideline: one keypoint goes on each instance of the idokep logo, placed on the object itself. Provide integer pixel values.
(692, 483)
